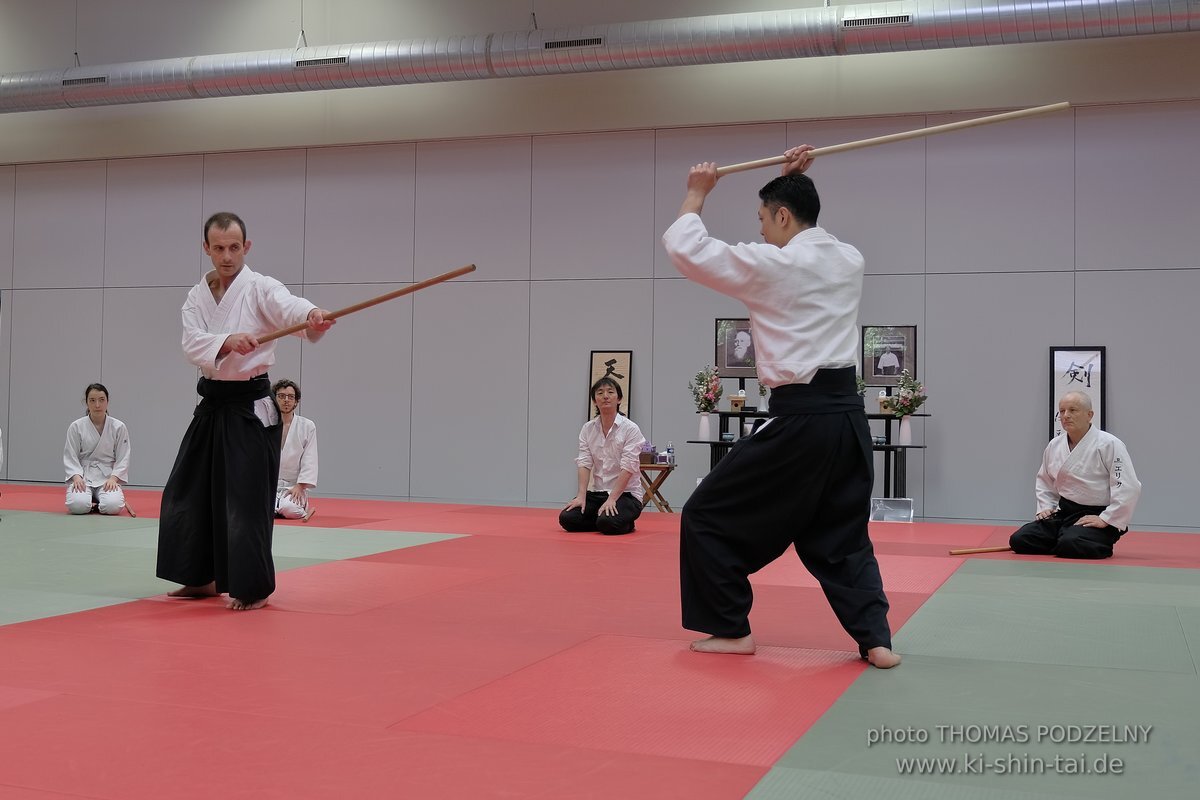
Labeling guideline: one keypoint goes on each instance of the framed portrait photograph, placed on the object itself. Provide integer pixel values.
(888, 350)
(734, 357)
(615, 364)
(1077, 369)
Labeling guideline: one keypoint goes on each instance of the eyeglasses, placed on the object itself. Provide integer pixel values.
(282, 397)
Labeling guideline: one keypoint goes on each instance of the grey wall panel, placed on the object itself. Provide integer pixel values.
(152, 387)
(359, 214)
(1145, 319)
(593, 206)
(357, 387)
(1137, 201)
(873, 198)
(730, 211)
(999, 197)
(59, 235)
(898, 300)
(288, 349)
(473, 207)
(153, 221)
(59, 335)
(986, 363)
(684, 343)
(567, 321)
(5, 372)
(7, 210)
(8, 199)
(265, 189)
(470, 391)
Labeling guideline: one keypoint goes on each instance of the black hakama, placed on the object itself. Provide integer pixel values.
(803, 480)
(218, 507)
(1058, 535)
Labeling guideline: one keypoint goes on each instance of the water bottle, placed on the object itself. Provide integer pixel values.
(670, 454)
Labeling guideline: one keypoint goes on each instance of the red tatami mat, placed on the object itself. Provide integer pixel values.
(515, 661)
(654, 697)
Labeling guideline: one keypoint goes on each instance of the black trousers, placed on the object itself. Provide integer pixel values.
(588, 518)
(218, 507)
(804, 481)
(1058, 535)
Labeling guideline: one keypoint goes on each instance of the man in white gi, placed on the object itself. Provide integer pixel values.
(218, 507)
(298, 461)
(1086, 489)
(804, 478)
(610, 446)
(96, 457)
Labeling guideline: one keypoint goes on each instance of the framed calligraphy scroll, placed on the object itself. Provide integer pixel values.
(1077, 369)
(615, 364)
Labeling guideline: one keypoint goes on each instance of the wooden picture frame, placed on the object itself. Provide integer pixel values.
(615, 364)
(734, 357)
(1077, 369)
(887, 350)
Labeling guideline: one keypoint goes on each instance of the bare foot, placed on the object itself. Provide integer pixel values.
(195, 592)
(882, 658)
(243, 605)
(715, 644)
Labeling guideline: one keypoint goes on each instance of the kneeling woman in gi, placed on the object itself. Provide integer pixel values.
(96, 457)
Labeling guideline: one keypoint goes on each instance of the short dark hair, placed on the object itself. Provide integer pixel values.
(796, 193)
(607, 381)
(223, 221)
(95, 387)
(285, 383)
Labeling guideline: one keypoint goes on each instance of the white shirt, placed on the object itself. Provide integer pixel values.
(803, 297)
(1098, 472)
(253, 303)
(608, 456)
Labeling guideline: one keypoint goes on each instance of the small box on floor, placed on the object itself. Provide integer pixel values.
(892, 509)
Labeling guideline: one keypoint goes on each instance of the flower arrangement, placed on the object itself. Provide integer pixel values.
(910, 395)
(706, 389)
(860, 385)
(762, 389)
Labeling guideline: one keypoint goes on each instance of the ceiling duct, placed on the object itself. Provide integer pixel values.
(721, 39)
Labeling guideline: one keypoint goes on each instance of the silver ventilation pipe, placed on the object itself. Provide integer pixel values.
(720, 39)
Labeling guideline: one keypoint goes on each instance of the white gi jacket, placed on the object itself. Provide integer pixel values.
(253, 303)
(256, 304)
(1098, 472)
(608, 456)
(803, 297)
(298, 462)
(97, 456)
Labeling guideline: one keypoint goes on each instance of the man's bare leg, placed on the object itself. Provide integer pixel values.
(716, 644)
(193, 592)
(243, 605)
(882, 658)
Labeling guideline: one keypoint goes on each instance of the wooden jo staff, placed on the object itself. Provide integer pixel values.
(973, 550)
(374, 301)
(897, 137)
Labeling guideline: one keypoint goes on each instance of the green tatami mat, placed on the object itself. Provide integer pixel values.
(1021, 679)
(784, 783)
(1046, 613)
(53, 564)
(1013, 714)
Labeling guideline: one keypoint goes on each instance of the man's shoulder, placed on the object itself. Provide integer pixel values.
(626, 424)
(1106, 438)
